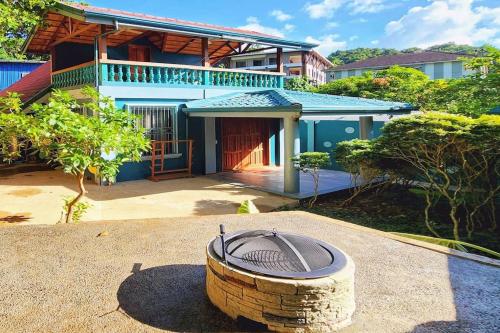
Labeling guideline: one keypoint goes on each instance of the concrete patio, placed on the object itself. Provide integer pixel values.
(149, 277)
(271, 180)
(37, 198)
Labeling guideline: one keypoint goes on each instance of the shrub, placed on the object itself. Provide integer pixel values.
(450, 157)
(312, 162)
(299, 84)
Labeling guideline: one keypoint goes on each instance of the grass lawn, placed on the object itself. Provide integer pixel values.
(396, 210)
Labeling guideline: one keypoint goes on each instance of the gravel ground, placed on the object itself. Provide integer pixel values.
(148, 276)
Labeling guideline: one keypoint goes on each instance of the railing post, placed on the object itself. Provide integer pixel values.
(281, 82)
(103, 73)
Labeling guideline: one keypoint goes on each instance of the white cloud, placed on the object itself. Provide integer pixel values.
(444, 21)
(327, 44)
(331, 25)
(366, 6)
(374, 42)
(289, 27)
(325, 8)
(280, 15)
(353, 38)
(360, 20)
(253, 24)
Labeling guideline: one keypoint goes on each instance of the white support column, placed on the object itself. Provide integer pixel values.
(292, 148)
(365, 127)
(281, 142)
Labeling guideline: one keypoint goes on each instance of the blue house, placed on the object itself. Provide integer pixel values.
(13, 70)
(203, 118)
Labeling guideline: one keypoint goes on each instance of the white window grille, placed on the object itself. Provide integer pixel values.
(84, 111)
(160, 122)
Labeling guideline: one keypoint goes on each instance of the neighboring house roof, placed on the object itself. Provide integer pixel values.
(31, 84)
(279, 99)
(271, 51)
(402, 59)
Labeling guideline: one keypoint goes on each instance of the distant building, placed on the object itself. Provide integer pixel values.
(12, 70)
(437, 65)
(296, 63)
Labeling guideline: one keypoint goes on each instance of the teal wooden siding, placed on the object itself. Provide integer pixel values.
(327, 133)
(141, 170)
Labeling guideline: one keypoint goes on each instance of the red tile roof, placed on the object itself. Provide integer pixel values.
(162, 19)
(31, 84)
(402, 59)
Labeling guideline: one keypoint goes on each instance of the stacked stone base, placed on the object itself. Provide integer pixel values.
(284, 305)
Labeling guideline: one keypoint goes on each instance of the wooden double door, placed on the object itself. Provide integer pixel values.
(245, 143)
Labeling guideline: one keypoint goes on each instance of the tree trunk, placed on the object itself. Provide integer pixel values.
(315, 175)
(81, 187)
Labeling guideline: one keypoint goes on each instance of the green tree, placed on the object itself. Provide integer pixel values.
(452, 158)
(17, 20)
(400, 84)
(458, 48)
(311, 163)
(103, 141)
(472, 95)
(299, 84)
(13, 123)
(342, 57)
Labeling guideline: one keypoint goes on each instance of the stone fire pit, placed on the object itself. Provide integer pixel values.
(288, 282)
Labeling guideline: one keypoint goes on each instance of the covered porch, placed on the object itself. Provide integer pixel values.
(287, 108)
(271, 180)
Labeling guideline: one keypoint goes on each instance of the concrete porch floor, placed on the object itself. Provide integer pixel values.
(271, 179)
(37, 198)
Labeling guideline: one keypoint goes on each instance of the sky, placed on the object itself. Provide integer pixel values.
(340, 24)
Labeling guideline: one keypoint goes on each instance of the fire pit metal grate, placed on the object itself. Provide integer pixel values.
(278, 254)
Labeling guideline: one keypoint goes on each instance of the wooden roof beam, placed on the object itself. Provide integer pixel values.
(246, 51)
(164, 40)
(185, 45)
(74, 34)
(141, 35)
(218, 49)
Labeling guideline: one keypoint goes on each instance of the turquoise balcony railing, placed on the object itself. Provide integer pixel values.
(114, 72)
(83, 74)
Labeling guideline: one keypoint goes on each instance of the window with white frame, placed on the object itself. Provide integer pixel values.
(240, 64)
(160, 122)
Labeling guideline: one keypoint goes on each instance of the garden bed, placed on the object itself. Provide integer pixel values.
(397, 210)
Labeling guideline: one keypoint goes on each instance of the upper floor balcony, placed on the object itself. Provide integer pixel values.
(106, 47)
(149, 74)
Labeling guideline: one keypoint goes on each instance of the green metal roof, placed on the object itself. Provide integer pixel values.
(279, 99)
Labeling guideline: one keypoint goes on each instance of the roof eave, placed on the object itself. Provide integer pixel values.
(109, 19)
(292, 108)
(357, 109)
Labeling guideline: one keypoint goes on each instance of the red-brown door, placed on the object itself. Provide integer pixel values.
(138, 53)
(245, 143)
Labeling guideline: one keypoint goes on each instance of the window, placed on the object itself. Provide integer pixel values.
(294, 72)
(159, 121)
(258, 62)
(84, 111)
(295, 59)
(272, 61)
(240, 64)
